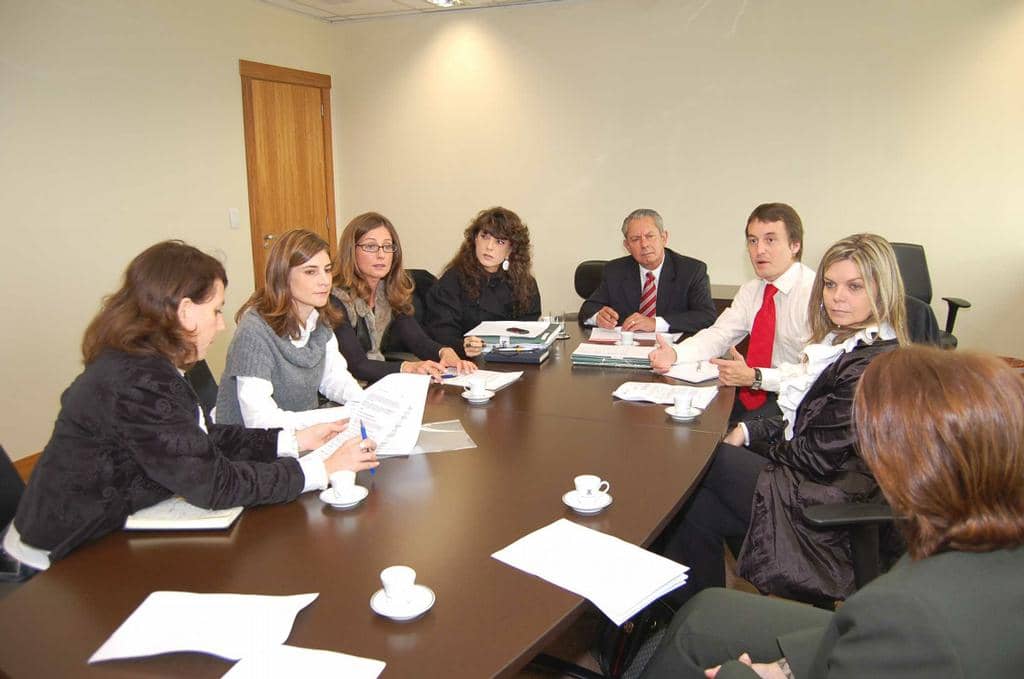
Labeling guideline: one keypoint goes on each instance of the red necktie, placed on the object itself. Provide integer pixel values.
(759, 352)
(649, 296)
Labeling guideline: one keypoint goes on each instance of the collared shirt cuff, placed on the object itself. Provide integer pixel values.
(315, 472)
(746, 434)
(591, 321)
(660, 324)
(287, 444)
(771, 378)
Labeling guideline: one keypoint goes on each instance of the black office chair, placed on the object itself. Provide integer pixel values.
(203, 383)
(921, 323)
(11, 488)
(588, 276)
(864, 520)
(914, 268)
(391, 346)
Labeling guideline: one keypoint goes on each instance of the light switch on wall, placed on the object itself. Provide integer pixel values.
(234, 218)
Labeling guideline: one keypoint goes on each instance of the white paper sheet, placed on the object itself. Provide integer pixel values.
(659, 392)
(391, 411)
(697, 371)
(291, 661)
(615, 335)
(618, 577)
(231, 626)
(494, 380)
(493, 328)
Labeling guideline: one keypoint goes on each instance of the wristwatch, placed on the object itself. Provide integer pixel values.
(756, 385)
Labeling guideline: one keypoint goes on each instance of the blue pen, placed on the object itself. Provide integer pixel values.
(362, 431)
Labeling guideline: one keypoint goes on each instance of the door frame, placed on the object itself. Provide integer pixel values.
(253, 70)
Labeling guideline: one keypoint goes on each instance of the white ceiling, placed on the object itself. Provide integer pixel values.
(333, 11)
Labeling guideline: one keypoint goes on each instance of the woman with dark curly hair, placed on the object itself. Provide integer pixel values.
(489, 279)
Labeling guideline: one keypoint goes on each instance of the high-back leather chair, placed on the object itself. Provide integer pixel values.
(588, 276)
(203, 383)
(391, 345)
(913, 266)
(11, 488)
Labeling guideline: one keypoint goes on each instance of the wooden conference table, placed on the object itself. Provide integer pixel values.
(444, 514)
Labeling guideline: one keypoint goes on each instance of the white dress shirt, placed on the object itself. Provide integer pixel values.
(260, 411)
(660, 324)
(735, 323)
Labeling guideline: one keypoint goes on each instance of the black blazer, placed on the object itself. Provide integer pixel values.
(451, 313)
(684, 292)
(127, 437)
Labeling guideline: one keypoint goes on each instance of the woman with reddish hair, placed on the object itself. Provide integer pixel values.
(131, 431)
(943, 433)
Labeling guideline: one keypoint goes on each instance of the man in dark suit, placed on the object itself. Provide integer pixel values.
(654, 289)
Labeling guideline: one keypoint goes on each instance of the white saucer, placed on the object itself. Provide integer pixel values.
(598, 504)
(689, 416)
(350, 499)
(422, 600)
(487, 396)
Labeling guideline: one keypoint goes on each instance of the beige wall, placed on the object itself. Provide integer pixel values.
(897, 117)
(120, 125)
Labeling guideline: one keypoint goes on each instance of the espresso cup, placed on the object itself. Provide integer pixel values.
(398, 582)
(683, 402)
(589, 486)
(477, 385)
(343, 482)
(627, 338)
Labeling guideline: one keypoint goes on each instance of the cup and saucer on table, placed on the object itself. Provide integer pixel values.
(344, 493)
(401, 598)
(477, 392)
(683, 410)
(590, 495)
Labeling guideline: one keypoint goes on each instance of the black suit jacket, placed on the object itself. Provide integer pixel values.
(684, 292)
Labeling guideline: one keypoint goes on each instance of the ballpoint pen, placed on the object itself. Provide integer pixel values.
(362, 432)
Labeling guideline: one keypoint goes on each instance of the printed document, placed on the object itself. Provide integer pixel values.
(618, 577)
(292, 661)
(659, 392)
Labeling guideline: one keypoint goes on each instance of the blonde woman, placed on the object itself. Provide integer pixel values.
(766, 469)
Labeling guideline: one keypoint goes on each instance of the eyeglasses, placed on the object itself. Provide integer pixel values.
(373, 248)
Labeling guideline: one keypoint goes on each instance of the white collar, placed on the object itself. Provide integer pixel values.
(307, 329)
(787, 280)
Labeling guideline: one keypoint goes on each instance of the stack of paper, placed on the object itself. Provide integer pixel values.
(494, 380)
(619, 578)
(612, 356)
(516, 334)
(659, 392)
(391, 412)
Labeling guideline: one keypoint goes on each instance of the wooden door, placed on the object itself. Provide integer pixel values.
(287, 115)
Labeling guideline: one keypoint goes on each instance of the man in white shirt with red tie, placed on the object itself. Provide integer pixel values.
(654, 288)
(772, 309)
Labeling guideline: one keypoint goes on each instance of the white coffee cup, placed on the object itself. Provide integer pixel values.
(398, 582)
(683, 402)
(477, 385)
(589, 486)
(627, 338)
(343, 482)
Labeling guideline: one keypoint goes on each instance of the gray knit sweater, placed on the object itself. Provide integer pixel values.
(256, 351)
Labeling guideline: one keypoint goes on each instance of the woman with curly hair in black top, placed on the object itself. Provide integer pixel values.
(488, 279)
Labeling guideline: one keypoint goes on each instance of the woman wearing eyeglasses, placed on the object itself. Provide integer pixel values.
(373, 290)
(489, 279)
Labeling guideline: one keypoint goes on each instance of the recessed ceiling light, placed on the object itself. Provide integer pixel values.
(446, 4)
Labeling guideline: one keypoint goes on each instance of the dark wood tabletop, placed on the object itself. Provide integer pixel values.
(444, 514)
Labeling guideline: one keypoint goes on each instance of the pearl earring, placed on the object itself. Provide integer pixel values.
(505, 265)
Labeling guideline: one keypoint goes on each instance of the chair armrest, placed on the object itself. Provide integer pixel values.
(955, 304)
(847, 514)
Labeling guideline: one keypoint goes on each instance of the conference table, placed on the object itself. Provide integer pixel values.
(443, 513)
